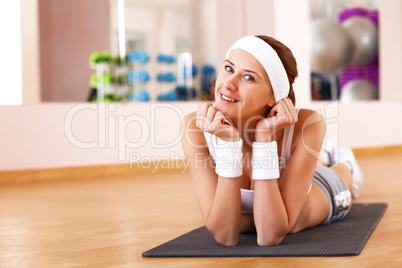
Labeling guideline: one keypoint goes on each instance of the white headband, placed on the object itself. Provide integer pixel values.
(269, 59)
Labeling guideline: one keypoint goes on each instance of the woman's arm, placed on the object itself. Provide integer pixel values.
(277, 204)
(218, 197)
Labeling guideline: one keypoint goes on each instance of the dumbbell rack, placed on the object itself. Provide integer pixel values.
(101, 88)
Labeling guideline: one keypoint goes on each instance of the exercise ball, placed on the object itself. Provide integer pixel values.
(365, 39)
(331, 47)
(358, 89)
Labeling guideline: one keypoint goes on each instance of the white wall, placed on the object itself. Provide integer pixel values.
(203, 32)
(390, 46)
(292, 27)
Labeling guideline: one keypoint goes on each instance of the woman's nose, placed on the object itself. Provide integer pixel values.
(231, 83)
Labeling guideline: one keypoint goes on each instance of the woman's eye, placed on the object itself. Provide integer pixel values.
(249, 77)
(228, 68)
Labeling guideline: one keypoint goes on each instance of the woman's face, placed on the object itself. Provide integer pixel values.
(243, 89)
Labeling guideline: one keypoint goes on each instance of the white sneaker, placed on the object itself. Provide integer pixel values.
(327, 151)
(344, 154)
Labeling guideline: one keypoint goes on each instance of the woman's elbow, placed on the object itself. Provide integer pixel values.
(272, 234)
(269, 240)
(226, 240)
(225, 236)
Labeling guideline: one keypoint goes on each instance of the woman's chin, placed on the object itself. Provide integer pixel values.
(230, 113)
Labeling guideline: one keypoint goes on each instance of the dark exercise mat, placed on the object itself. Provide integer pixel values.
(342, 238)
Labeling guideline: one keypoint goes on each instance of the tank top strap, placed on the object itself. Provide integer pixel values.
(287, 142)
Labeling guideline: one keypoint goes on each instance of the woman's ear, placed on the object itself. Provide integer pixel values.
(271, 102)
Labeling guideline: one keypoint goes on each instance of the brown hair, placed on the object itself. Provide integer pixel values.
(288, 61)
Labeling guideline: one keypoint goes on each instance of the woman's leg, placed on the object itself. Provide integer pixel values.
(345, 155)
(344, 172)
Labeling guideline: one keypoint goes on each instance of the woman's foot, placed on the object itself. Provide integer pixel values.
(344, 154)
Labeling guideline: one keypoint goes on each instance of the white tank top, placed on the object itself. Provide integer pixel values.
(247, 196)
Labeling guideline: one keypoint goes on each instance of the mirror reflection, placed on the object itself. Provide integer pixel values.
(344, 50)
(170, 50)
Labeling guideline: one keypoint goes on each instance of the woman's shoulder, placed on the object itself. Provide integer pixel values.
(309, 130)
(310, 121)
(308, 116)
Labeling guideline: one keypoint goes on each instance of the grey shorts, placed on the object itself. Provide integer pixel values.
(339, 197)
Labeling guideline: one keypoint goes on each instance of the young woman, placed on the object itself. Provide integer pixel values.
(255, 158)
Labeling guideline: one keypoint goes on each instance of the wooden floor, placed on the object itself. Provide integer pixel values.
(109, 222)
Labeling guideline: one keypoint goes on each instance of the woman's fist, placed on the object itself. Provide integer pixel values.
(281, 115)
(213, 121)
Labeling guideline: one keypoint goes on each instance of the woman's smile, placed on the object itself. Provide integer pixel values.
(228, 99)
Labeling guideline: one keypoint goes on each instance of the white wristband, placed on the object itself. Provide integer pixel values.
(265, 162)
(228, 157)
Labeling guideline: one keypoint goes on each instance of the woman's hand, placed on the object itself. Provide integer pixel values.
(213, 121)
(281, 115)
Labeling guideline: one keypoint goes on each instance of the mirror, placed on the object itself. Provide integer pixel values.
(70, 30)
(344, 50)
